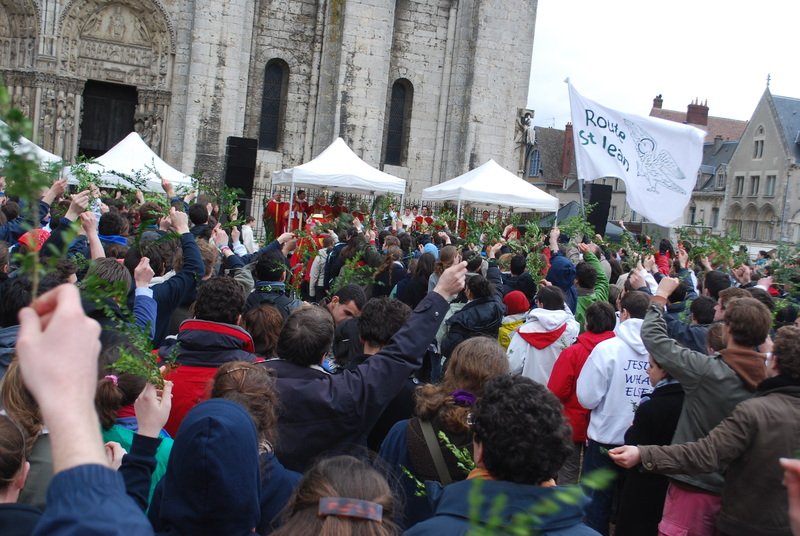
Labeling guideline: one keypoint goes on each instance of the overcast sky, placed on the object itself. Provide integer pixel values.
(622, 53)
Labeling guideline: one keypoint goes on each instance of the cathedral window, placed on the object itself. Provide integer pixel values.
(273, 105)
(398, 124)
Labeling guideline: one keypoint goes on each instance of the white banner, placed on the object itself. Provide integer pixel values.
(657, 159)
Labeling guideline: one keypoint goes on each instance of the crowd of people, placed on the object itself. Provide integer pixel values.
(453, 392)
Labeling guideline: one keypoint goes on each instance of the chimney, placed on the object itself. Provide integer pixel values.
(568, 151)
(717, 143)
(697, 114)
(658, 101)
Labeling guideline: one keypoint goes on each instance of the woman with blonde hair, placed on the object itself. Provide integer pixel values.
(444, 407)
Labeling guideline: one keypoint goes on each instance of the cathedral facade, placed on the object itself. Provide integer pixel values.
(423, 89)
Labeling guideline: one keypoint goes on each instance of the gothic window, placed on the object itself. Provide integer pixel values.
(754, 183)
(758, 144)
(273, 105)
(398, 125)
(535, 168)
(770, 186)
(739, 186)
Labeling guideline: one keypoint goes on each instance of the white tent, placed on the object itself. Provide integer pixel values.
(26, 147)
(132, 156)
(339, 168)
(491, 184)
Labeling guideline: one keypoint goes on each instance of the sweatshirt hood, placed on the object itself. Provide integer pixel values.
(547, 319)
(589, 340)
(748, 365)
(562, 275)
(630, 332)
(212, 483)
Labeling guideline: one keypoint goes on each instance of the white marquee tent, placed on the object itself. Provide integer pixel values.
(339, 168)
(27, 147)
(491, 184)
(133, 156)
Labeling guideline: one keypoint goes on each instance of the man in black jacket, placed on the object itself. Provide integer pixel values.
(324, 414)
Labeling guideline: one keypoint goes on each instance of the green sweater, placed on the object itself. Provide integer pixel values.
(124, 437)
(600, 292)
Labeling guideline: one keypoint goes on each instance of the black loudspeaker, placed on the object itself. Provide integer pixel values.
(600, 196)
(240, 164)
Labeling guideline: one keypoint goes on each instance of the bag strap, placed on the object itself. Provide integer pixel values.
(436, 452)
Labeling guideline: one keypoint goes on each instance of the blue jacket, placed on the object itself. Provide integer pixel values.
(90, 500)
(562, 275)
(212, 485)
(453, 510)
(328, 414)
(277, 485)
(170, 294)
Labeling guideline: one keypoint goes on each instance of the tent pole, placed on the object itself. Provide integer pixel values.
(458, 216)
(291, 206)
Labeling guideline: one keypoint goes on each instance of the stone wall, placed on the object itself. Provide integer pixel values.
(198, 68)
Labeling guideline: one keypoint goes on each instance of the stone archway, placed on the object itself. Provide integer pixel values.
(128, 42)
(19, 28)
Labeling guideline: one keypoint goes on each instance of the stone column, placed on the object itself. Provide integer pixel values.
(150, 116)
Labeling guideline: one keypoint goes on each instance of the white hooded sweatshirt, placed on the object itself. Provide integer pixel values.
(538, 342)
(612, 381)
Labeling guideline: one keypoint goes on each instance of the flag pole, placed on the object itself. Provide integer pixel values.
(580, 194)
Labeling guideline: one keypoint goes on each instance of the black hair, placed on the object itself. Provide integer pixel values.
(17, 294)
(425, 265)
(352, 293)
(679, 294)
(219, 299)
(480, 287)
(517, 264)
(270, 266)
(600, 317)
(198, 214)
(306, 336)
(763, 296)
(714, 281)
(522, 429)
(551, 298)
(586, 275)
(110, 224)
(636, 303)
(702, 309)
(380, 319)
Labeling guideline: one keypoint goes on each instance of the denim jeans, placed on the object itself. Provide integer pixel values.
(599, 510)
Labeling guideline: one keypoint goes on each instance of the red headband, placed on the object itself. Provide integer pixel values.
(346, 507)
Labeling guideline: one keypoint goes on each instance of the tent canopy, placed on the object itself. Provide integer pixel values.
(490, 184)
(129, 157)
(339, 168)
(27, 148)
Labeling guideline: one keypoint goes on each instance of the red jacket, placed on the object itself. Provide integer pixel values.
(202, 347)
(663, 262)
(564, 379)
